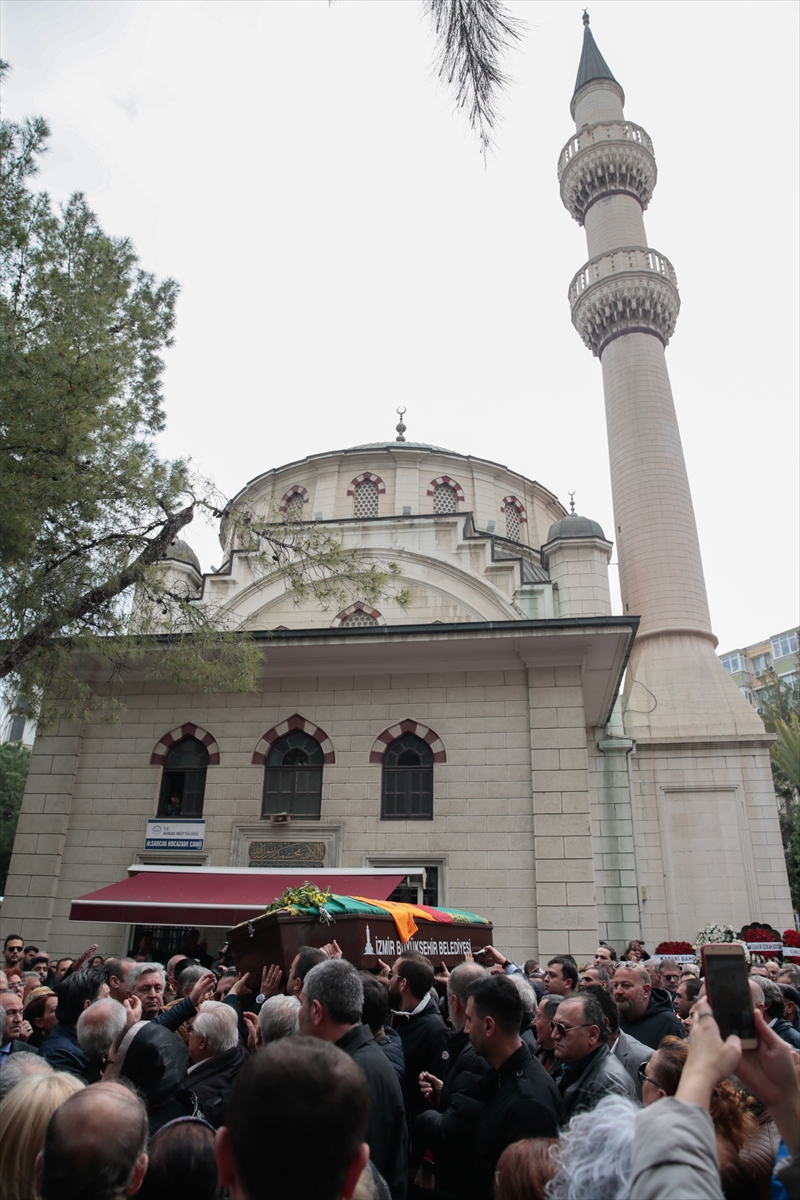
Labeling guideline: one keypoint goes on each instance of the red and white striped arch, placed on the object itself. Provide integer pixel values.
(367, 475)
(168, 740)
(395, 731)
(514, 503)
(359, 606)
(288, 726)
(457, 488)
(297, 490)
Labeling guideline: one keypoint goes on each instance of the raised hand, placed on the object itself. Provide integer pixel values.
(332, 949)
(253, 1031)
(271, 981)
(203, 988)
(78, 963)
(133, 1007)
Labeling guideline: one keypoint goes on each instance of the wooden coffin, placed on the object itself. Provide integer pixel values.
(276, 938)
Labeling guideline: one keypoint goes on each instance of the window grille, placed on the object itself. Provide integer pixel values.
(407, 786)
(183, 783)
(293, 777)
(365, 501)
(445, 499)
(512, 522)
(294, 505)
(359, 618)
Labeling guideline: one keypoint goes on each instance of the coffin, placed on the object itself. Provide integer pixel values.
(275, 939)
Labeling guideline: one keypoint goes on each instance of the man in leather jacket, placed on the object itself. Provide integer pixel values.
(589, 1071)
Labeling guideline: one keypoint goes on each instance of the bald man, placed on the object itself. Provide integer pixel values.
(95, 1146)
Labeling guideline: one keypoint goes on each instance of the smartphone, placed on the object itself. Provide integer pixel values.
(725, 973)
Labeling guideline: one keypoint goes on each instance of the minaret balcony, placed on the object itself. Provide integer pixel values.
(633, 289)
(606, 160)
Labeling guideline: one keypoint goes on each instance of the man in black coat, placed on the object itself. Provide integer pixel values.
(417, 1019)
(330, 1009)
(11, 1026)
(521, 1100)
(645, 1012)
(447, 1129)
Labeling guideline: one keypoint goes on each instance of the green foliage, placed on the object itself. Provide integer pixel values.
(87, 509)
(14, 762)
(779, 706)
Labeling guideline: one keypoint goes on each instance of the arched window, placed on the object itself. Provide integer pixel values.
(293, 777)
(512, 522)
(294, 506)
(183, 783)
(365, 499)
(445, 499)
(407, 792)
(359, 617)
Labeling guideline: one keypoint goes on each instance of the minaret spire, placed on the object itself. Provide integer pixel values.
(592, 64)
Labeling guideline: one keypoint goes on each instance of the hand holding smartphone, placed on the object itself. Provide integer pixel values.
(725, 972)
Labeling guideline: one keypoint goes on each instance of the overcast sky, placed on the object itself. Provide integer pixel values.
(343, 249)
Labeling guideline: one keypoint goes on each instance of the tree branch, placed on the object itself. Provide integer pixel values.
(97, 596)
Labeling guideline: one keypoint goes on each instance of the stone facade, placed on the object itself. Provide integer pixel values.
(561, 809)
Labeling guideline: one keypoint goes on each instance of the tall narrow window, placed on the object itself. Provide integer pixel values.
(293, 777)
(183, 783)
(365, 500)
(407, 792)
(512, 522)
(445, 499)
(294, 506)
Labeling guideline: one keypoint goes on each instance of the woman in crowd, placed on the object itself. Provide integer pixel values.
(524, 1169)
(24, 1114)
(155, 1062)
(634, 952)
(40, 1013)
(661, 1077)
(182, 1152)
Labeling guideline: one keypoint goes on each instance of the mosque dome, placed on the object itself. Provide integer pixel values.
(180, 551)
(575, 526)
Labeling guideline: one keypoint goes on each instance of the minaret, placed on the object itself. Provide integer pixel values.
(625, 305)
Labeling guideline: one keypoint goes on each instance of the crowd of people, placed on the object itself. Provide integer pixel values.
(598, 1080)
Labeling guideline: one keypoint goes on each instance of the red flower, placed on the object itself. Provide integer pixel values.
(791, 937)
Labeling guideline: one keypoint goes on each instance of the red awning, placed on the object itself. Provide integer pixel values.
(215, 895)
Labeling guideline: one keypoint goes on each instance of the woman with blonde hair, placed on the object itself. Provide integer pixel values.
(24, 1114)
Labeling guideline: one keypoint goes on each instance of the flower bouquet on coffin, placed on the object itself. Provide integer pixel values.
(762, 940)
(719, 933)
(681, 952)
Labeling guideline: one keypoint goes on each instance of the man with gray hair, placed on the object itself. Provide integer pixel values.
(449, 1127)
(20, 1067)
(146, 982)
(589, 1071)
(545, 1046)
(95, 1146)
(774, 1011)
(215, 1050)
(278, 1017)
(98, 1025)
(330, 1009)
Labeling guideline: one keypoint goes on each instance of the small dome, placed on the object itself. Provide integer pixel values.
(181, 551)
(573, 526)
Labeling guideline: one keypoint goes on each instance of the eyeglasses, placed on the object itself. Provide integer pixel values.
(562, 1030)
(671, 978)
(644, 1077)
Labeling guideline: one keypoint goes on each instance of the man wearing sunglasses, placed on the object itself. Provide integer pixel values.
(589, 1070)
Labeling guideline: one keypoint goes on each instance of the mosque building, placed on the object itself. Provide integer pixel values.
(503, 743)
